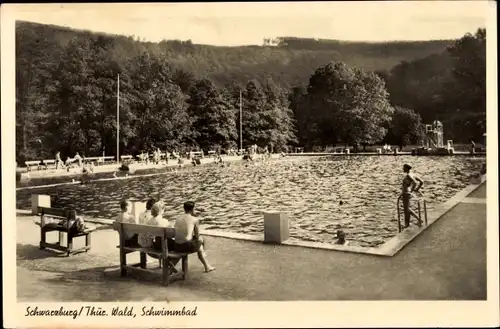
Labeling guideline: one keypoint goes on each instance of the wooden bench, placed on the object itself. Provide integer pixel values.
(30, 164)
(126, 157)
(62, 227)
(91, 159)
(109, 159)
(195, 154)
(211, 153)
(165, 256)
(48, 162)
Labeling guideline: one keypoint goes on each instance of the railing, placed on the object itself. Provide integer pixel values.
(400, 228)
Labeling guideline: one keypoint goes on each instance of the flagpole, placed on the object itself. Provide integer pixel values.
(241, 125)
(118, 120)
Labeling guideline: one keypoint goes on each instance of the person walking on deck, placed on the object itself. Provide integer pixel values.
(59, 162)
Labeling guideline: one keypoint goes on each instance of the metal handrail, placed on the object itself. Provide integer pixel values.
(421, 198)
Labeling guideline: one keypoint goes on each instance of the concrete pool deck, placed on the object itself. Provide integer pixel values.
(448, 262)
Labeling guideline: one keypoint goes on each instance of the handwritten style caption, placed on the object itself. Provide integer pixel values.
(127, 311)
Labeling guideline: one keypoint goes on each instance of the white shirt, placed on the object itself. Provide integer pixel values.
(126, 218)
(146, 240)
(144, 217)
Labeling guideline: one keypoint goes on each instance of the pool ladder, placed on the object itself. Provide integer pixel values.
(400, 227)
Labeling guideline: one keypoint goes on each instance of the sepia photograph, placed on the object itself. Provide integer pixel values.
(170, 155)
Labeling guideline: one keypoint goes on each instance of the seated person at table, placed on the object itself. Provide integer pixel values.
(146, 214)
(126, 217)
(187, 237)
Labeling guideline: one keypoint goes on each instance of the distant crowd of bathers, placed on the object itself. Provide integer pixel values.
(157, 155)
(187, 237)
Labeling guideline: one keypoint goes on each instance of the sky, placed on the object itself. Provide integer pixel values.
(231, 24)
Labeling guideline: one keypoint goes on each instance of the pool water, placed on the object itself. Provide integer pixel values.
(356, 194)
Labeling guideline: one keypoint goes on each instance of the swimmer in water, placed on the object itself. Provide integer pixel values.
(341, 238)
(408, 188)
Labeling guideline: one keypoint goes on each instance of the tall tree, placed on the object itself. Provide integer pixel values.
(469, 69)
(405, 128)
(159, 104)
(277, 114)
(254, 123)
(184, 79)
(366, 119)
(213, 116)
(37, 53)
(348, 105)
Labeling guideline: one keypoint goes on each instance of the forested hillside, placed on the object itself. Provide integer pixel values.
(288, 61)
(175, 94)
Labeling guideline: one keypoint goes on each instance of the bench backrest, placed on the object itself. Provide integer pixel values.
(49, 161)
(165, 232)
(29, 163)
(56, 212)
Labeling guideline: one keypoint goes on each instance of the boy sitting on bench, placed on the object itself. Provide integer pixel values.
(126, 217)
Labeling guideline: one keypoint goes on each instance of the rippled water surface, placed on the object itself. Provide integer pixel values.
(310, 189)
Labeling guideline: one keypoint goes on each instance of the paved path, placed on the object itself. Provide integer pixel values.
(447, 262)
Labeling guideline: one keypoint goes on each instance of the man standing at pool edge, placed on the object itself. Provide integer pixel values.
(409, 187)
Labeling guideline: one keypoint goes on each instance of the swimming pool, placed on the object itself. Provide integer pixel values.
(355, 193)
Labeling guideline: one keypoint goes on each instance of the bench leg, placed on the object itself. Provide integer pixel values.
(87, 242)
(42, 238)
(143, 260)
(166, 272)
(184, 267)
(123, 264)
(159, 263)
(61, 238)
(70, 245)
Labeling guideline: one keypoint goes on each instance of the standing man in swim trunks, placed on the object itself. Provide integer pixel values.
(187, 236)
(409, 187)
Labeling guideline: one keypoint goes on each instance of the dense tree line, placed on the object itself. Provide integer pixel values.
(448, 86)
(66, 96)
